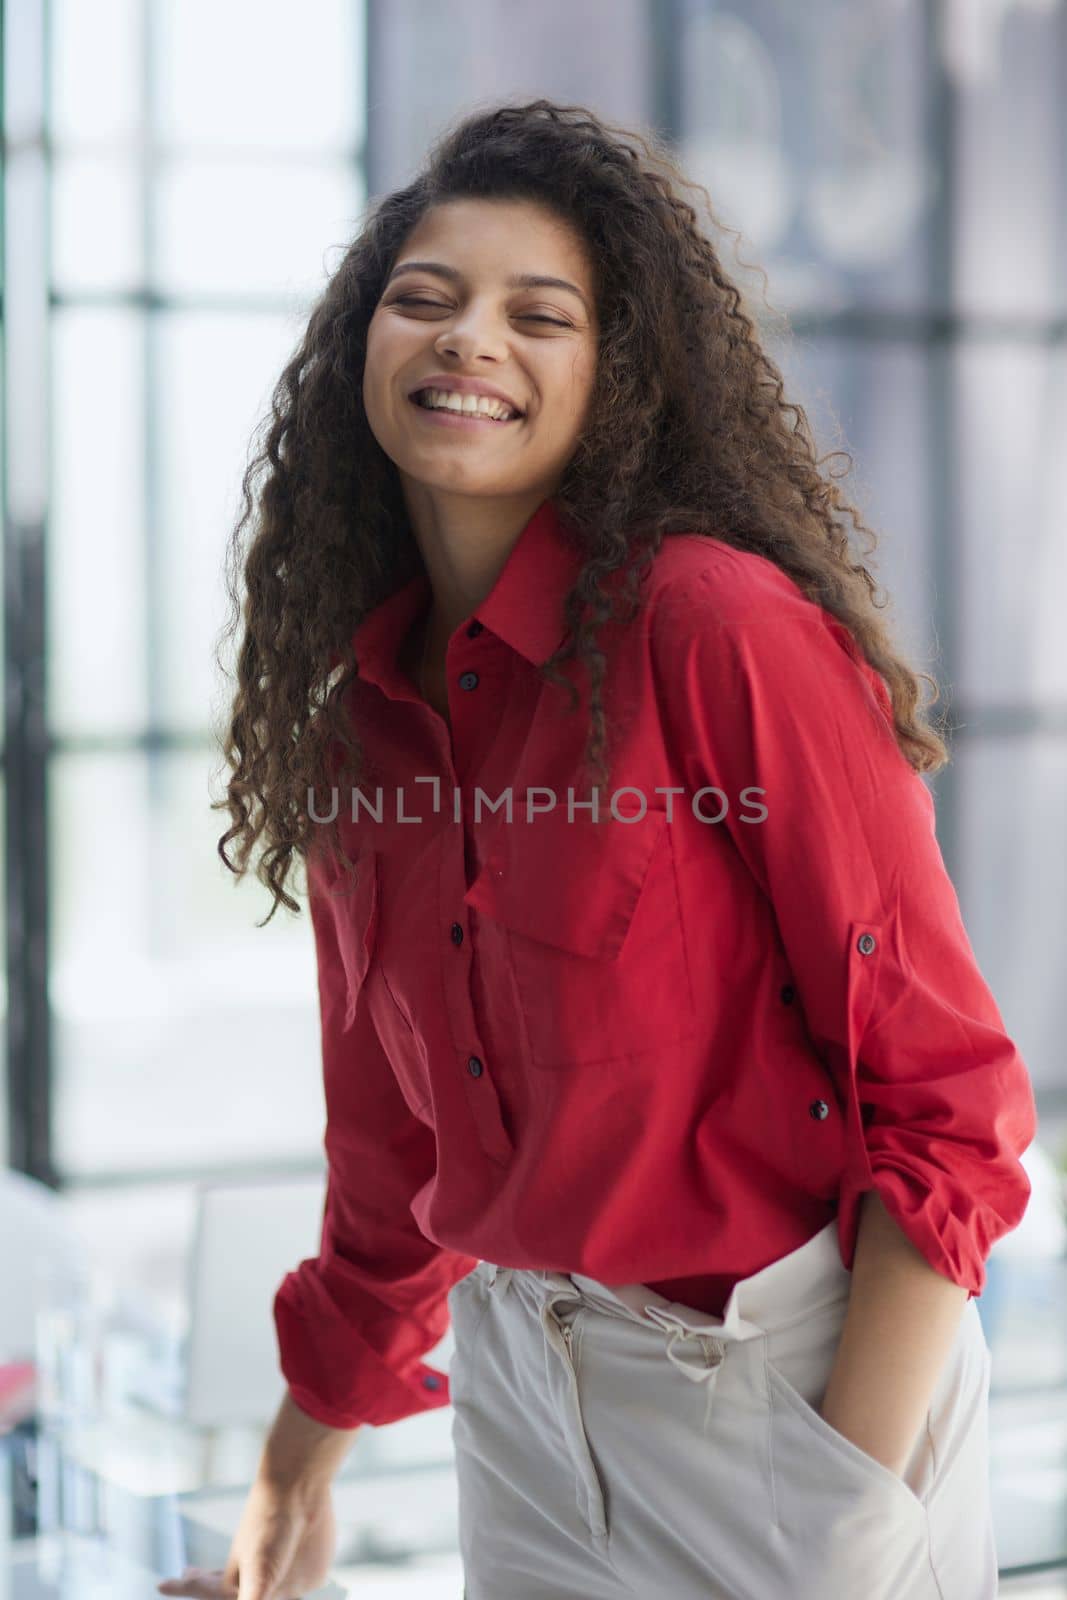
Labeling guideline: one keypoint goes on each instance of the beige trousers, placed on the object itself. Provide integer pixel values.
(612, 1443)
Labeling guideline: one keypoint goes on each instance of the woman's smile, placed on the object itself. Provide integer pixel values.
(461, 419)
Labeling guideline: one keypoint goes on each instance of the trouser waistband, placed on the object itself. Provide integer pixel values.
(793, 1286)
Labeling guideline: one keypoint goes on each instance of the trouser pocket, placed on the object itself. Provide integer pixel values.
(843, 1521)
(962, 1536)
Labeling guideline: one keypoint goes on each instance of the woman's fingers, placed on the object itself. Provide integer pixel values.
(199, 1583)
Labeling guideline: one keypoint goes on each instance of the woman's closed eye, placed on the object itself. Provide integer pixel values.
(527, 316)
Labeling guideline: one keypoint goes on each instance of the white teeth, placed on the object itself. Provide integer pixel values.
(469, 404)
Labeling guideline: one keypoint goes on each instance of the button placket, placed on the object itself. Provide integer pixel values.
(473, 1068)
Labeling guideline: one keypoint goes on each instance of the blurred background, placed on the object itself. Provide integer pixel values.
(179, 177)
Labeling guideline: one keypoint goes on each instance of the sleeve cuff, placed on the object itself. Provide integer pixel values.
(946, 1242)
(427, 1389)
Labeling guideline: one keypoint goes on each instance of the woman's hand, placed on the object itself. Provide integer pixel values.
(283, 1547)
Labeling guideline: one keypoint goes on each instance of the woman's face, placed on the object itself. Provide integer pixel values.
(466, 317)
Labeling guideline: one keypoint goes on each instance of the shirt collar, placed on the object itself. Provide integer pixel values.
(523, 607)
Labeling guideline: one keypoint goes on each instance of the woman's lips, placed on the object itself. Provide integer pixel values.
(455, 419)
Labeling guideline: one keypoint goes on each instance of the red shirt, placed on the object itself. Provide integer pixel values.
(664, 1051)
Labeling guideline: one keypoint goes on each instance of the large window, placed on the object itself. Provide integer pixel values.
(203, 162)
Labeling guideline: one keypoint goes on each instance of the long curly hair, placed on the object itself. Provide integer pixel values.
(688, 430)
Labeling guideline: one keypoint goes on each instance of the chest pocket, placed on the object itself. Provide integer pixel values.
(594, 934)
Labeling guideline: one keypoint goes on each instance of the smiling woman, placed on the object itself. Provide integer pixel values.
(609, 1092)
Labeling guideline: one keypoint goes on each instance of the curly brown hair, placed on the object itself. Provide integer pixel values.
(688, 431)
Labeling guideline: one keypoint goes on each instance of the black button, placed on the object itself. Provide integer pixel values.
(819, 1109)
(474, 1066)
(475, 629)
(788, 994)
(431, 1381)
(865, 943)
(468, 680)
(457, 933)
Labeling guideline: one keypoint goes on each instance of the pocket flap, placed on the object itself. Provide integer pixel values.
(574, 885)
(354, 907)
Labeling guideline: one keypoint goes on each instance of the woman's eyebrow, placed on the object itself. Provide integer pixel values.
(520, 280)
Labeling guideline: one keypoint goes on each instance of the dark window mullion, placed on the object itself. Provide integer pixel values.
(27, 376)
(942, 457)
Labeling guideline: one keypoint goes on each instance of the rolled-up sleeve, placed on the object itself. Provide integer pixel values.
(354, 1322)
(769, 693)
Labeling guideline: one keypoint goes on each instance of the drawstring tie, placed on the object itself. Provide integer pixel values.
(712, 1350)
